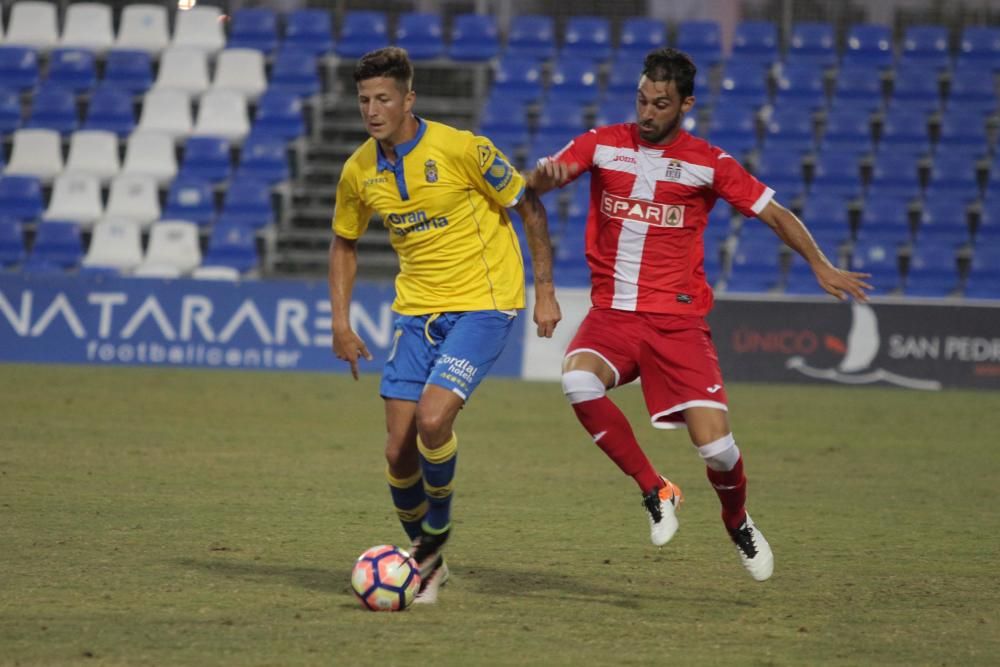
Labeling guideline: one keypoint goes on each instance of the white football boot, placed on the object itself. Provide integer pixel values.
(754, 551)
(661, 506)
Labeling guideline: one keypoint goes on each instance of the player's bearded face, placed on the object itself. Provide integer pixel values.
(384, 107)
(659, 110)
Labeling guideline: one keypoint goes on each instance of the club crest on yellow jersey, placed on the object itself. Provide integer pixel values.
(431, 171)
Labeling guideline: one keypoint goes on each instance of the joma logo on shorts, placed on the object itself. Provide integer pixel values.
(641, 210)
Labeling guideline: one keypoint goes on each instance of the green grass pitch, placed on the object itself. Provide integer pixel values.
(177, 517)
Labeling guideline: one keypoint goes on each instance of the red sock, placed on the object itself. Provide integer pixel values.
(613, 434)
(731, 487)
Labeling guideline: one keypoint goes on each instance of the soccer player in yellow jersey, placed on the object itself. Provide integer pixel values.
(443, 194)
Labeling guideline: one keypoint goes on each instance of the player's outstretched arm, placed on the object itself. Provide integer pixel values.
(347, 345)
(790, 229)
(536, 226)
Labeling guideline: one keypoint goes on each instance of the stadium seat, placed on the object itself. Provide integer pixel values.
(54, 109)
(933, 271)
(254, 28)
(115, 244)
(734, 129)
(190, 200)
(184, 69)
(225, 273)
(18, 68)
(813, 42)
(561, 121)
(623, 77)
(135, 198)
(904, 131)
(362, 31)
(915, 88)
(33, 24)
(474, 38)
(88, 26)
(21, 197)
(639, 36)
(295, 72)
(173, 246)
(943, 223)
(743, 84)
(503, 114)
(264, 159)
(880, 258)
(896, 174)
(587, 38)
(984, 274)
(309, 30)
(756, 42)
(967, 92)
(36, 152)
(781, 169)
(980, 44)
(12, 248)
(836, 173)
(790, 128)
(242, 71)
(801, 281)
(131, 71)
(248, 203)
(926, 46)
(94, 152)
(859, 85)
(150, 154)
(73, 69)
(826, 215)
(112, 110)
(702, 40)
(755, 264)
(279, 114)
(199, 28)
(206, 158)
(143, 27)
(421, 34)
(800, 84)
(848, 128)
(518, 78)
(869, 45)
(611, 112)
(233, 246)
(10, 112)
(57, 246)
(886, 217)
(168, 111)
(954, 168)
(964, 128)
(532, 36)
(574, 81)
(223, 113)
(75, 197)
(982, 288)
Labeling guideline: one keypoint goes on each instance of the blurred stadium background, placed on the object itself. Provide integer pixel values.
(230, 120)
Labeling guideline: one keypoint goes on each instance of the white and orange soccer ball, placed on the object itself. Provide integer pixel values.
(385, 578)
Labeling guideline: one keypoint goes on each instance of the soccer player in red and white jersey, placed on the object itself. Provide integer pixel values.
(652, 187)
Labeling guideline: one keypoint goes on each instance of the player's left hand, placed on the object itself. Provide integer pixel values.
(550, 175)
(842, 284)
(547, 313)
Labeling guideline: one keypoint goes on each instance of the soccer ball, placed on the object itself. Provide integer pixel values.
(385, 578)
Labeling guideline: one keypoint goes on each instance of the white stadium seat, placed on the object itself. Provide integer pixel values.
(223, 113)
(151, 154)
(76, 198)
(88, 26)
(33, 24)
(36, 153)
(115, 244)
(134, 198)
(168, 111)
(241, 70)
(173, 244)
(183, 69)
(216, 273)
(94, 152)
(200, 28)
(143, 28)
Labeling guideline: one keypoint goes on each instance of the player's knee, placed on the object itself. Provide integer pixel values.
(401, 456)
(721, 454)
(580, 386)
(433, 426)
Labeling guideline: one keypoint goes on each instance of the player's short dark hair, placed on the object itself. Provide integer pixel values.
(391, 62)
(671, 65)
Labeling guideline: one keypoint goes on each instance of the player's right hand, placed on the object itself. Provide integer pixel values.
(551, 175)
(349, 347)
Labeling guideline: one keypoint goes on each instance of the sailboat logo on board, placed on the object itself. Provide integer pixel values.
(859, 350)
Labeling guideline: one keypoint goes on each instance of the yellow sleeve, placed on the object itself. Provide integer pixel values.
(350, 214)
(491, 172)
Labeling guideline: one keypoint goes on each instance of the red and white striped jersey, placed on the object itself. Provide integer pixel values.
(649, 207)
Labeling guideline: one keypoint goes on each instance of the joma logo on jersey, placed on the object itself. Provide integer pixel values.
(674, 170)
(402, 224)
(640, 210)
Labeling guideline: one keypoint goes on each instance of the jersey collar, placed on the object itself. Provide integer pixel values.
(401, 149)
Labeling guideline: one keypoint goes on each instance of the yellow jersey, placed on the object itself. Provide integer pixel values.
(444, 203)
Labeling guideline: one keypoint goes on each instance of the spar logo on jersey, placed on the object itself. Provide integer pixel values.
(641, 210)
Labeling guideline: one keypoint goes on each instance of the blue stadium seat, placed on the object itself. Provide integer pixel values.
(363, 31)
(12, 249)
(575, 80)
(829, 213)
(734, 129)
(880, 258)
(279, 114)
(848, 128)
(474, 38)
(886, 217)
(904, 130)
(756, 42)
(982, 288)
(961, 127)
(264, 159)
(232, 245)
(57, 246)
(503, 114)
(131, 71)
(611, 111)
(587, 38)
(985, 264)
(813, 42)
(968, 93)
(21, 197)
(309, 30)
(743, 84)
(859, 85)
(10, 112)
(791, 128)
(780, 169)
(18, 68)
(956, 168)
(192, 200)
(933, 271)
(295, 72)
(702, 40)
(800, 279)
(927, 46)
(206, 158)
(421, 34)
(54, 108)
(800, 83)
(561, 120)
(896, 174)
(755, 264)
(518, 78)
(532, 36)
(869, 45)
(836, 174)
(943, 223)
(641, 35)
(980, 44)
(110, 109)
(253, 28)
(248, 203)
(915, 88)
(623, 76)
(72, 68)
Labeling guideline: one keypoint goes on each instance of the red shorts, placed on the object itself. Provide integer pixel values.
(674, 355)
